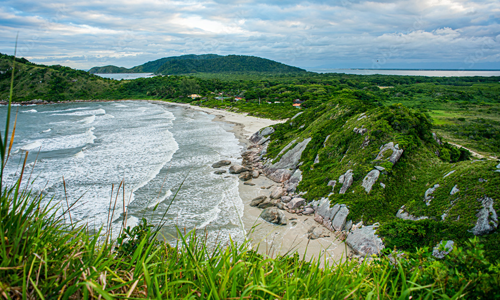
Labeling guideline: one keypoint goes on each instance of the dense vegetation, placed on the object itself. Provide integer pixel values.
(405, 110)
(208, 63)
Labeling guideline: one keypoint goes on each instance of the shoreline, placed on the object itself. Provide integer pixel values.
(267, 238)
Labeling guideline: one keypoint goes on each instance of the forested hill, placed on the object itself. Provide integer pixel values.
(207, 63)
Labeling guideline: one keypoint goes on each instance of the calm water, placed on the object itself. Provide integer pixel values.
(152, 147)
(126, 76)
(435, 73)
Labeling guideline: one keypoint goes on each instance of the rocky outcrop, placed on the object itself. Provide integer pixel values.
(258, 200)
(360, 130)
(339, 220)
(267, 203)
(237, 169)
(442, 249)
(487, 219)
(428, 193)
(221, 163)
(260, 135)
(296, 203)
(454, 190)
(293, 182)
(402, 214)
(286, 199)
(394, 156)
(283, 170)
(346, 181)
(364, 241)
(220, 172)
(370, 180)
(324, 214)
(274, 215)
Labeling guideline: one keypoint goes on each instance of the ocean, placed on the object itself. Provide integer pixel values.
(430, 73)
(162, 154)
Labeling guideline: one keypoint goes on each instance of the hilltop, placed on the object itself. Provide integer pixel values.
(207, 63)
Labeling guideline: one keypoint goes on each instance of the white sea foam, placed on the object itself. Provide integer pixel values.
(31, 146)
(88, 120)
(80, 154)
(67, 110)
(48, 130)
(29, 111)
(99, 111)
(161, 199)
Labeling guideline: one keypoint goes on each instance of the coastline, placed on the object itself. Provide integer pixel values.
(266, 238)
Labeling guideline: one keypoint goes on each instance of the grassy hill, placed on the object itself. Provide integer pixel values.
(207, 63)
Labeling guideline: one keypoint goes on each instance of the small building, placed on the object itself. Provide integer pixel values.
(296, 105)
(194, 96)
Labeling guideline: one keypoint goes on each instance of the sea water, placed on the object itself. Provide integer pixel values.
(160, 154)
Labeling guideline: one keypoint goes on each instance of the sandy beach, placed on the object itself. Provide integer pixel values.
(270, 239)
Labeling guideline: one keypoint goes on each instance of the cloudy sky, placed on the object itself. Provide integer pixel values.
(457, 34)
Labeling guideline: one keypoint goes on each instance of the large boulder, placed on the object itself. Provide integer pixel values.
(393, 156)
(277, 192)
(487, 219)
(370, 180)
(245, 176)
(273, 215)
(267, 203)
(237, 169)
(339, 220)
(261, 134)
(258, 200)
(296, 203)
(284, 169)
(346, 181)
(221, 163)
(255, 174)
(364, 241)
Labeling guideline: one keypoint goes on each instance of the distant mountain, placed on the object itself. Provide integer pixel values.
(206, 63)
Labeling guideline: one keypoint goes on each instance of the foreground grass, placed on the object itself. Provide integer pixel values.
(44, 257)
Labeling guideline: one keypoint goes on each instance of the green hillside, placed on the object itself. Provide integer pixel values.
(207, 63)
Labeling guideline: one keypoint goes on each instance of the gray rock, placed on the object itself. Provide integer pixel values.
(341, 178)
(308, 211)
(380, 168)
(364, 241)
(286, 199)
(259, 135)
(237, 169)
(437, 139)
(296, 203)
(382, 185)
(483, 180)
(280, 171)
(298, 114)
(332, 183)
(316, 160)
(221, 163)
(402, 214)
(245, 176)
(248, 183)
(348, 225)
(267, 203)
(361, 116)
(264, 140)
(273, 215)
(258, 200)
(255, 174)
(487, 219)
(220, 172)
(442, 249)
(360, 130)
(449, 173)
(395, 155)
(280, 206)
(277, 192)
(370, 180)
(454, 190)
(347, 181)
(340, 218)
(498, 166)
(315, 233)
(293, 182)
(428, 193)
